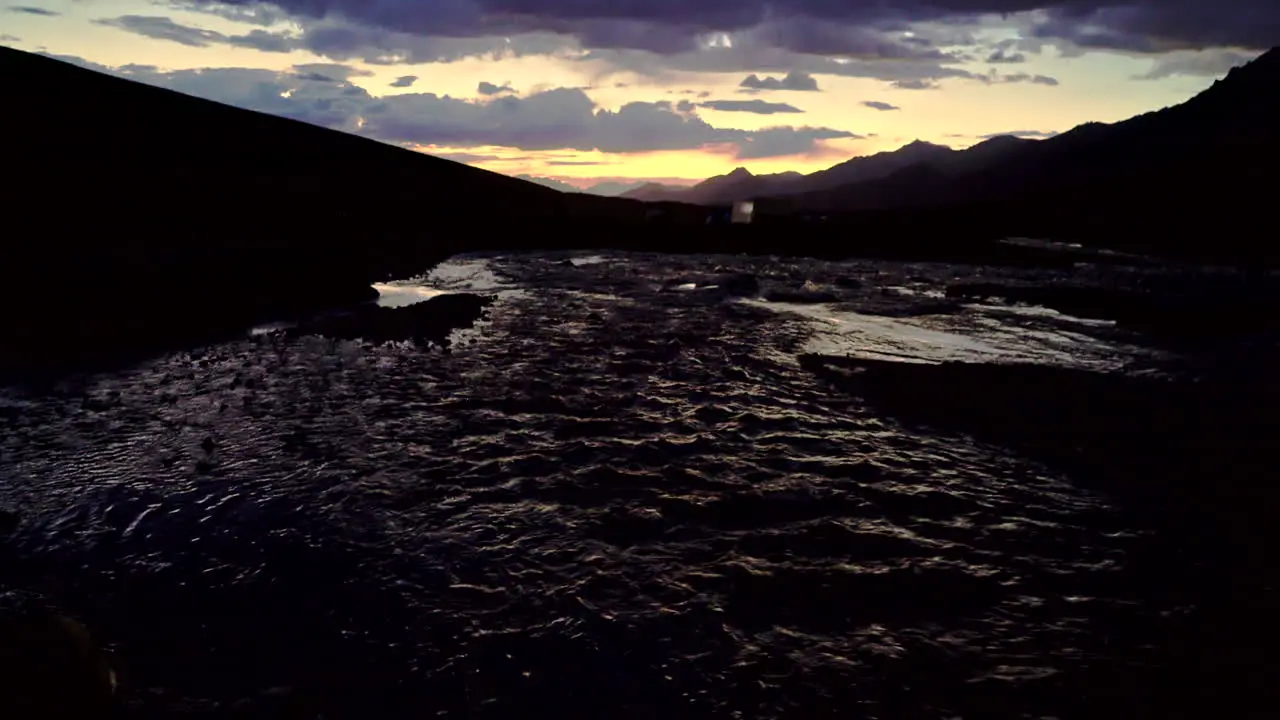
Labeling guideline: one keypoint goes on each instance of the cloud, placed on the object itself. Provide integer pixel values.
(743, 55)
(781, 142)
(404, 81)
(467, 158)
(797, 81)
(914, 84)
(882, 106)
(341, 42)
(10, 38)
(252, 14)
(328, 72)
(1001, 56)
(1159, 26)
(489, 89)
(163, 28)
(823, 27)
(1207, 63)
(995, 78)
(759, 107)
(1027, 134)
(1033, 79)
(558, 119)
(29, 10)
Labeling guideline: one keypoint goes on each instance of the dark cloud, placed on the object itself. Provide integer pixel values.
(329, 72)
(468, 158)
(489, 89)
(759, 107)
(559, 119)
(1002, 56)
(29, 10)
(914, 84)
(404, 81)
(1028, 134)
(264, 41)
(564, 118)
(797, 81)
(1157, 26)
(253, 14)
(764, 59)
(882, 106)
(163, 28)
(792, 44)
(825, 27)
(1207, 63)
(1033, 79)
(995, 78)
(781, 142)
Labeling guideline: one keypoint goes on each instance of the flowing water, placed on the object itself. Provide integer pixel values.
(619, 496)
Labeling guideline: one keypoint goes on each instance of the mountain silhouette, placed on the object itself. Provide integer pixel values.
(1142, 184)
(742, 185)
(1196, 178)
(1216, 138)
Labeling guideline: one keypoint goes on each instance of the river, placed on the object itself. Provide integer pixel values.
(617, 496)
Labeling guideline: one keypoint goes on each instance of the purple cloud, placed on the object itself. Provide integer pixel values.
(559, 119)
(811, 26)
(795, 81)
(489, 89)
(29, 10)
(759, 107)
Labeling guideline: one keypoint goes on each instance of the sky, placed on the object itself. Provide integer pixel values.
(605, 94)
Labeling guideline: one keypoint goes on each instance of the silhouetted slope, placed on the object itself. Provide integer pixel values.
(135, 213)
(105, 140)
(874, 167)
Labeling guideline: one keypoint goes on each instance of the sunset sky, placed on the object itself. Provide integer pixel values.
(585, 91)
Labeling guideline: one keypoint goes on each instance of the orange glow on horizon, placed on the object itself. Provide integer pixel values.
(584, 168)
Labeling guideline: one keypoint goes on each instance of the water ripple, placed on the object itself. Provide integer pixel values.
(614, 500)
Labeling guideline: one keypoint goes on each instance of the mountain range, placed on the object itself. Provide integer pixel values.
(741, 184)
(1224, 140)
(605, 188)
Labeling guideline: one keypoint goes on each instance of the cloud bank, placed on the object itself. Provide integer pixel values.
(557, 119)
